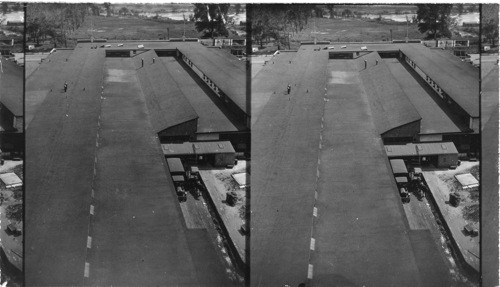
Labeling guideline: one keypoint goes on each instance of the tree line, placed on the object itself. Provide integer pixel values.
(51, 21)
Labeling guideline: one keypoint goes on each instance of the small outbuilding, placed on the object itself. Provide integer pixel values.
(11, 180)
(467, 180)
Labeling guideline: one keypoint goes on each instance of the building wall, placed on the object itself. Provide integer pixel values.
(224, 159)
(180, 132)
(457, 109)
(6, 118)
(431, 138)
(18, 123)
(474, 124)
(410, 130)
(447, 160)
(237, 111)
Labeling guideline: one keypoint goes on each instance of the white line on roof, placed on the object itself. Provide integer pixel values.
(313, 244)
(86, 272)
(310, 271)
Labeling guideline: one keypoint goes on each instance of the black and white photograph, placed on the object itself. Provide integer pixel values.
(365, 145)
(249, 144)
(11, 142)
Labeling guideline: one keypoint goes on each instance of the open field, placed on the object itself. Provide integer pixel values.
(128, 28)
(353, 30)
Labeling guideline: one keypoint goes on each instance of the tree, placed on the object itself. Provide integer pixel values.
(5, 8)
(347, 13)
(434, 19)
(318, 12)
(211, 19)
(331, 10)
(279, 22)
(123, 11)
(54, 21)
(107, 6)
(237, 8)
(460, 9)
(490, 31)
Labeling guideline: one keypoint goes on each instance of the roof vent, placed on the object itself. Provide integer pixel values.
(388, 148)
(419, 148)
(196, 146)
(221, 146)
(443, 146)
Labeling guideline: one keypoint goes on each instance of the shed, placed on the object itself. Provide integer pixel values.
(467, 180)
(241, 179)
(175, 165)
(11, 180)
(398, 167)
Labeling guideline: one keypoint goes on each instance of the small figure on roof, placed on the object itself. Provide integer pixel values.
(288, 88)
(65, 87)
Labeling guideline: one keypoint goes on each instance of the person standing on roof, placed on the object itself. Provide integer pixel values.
(65, 87)
(288, 88)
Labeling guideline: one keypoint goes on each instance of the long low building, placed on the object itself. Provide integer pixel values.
(442, 154)
(325, 207)
(11, 106)
(109, 212)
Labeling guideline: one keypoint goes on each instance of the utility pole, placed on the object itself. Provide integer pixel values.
(406, 28)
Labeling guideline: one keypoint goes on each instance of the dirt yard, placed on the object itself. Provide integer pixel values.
(441, 183)
(219, 182)
(11, 212)
(470, 197)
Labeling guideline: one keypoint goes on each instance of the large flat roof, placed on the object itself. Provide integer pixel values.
(212, 116)
(390, 104)
(11, 87)
(460, 80)
(224, 69)
(166, 102)
(308, 149)
(434, 117)
(100, 144)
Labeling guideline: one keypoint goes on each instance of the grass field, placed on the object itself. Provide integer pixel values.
(353, 30)
(130, 28)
